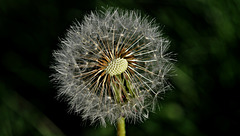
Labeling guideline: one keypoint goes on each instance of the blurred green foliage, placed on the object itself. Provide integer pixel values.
(19, 117)
(204, 34)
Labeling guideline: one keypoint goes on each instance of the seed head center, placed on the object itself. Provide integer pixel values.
(116, 66)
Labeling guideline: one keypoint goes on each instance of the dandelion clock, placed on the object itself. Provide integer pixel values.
(112, 67)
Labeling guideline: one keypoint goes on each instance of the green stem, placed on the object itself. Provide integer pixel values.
(121, 127)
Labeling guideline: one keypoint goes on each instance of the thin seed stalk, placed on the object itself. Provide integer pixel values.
(121, 127)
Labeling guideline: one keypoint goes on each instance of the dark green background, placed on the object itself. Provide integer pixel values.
(204, 34)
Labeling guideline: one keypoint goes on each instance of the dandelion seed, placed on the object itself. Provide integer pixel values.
(112, 65)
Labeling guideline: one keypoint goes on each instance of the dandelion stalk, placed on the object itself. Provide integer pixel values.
(121, 127)
(113, 66)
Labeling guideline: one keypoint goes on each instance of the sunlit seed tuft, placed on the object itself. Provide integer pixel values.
(113, 64)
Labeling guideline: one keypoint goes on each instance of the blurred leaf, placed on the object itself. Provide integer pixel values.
(19, 117)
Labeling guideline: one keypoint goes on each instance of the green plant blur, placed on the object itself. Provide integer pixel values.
(205, 37)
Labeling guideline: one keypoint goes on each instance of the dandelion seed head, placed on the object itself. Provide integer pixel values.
(113, 64)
